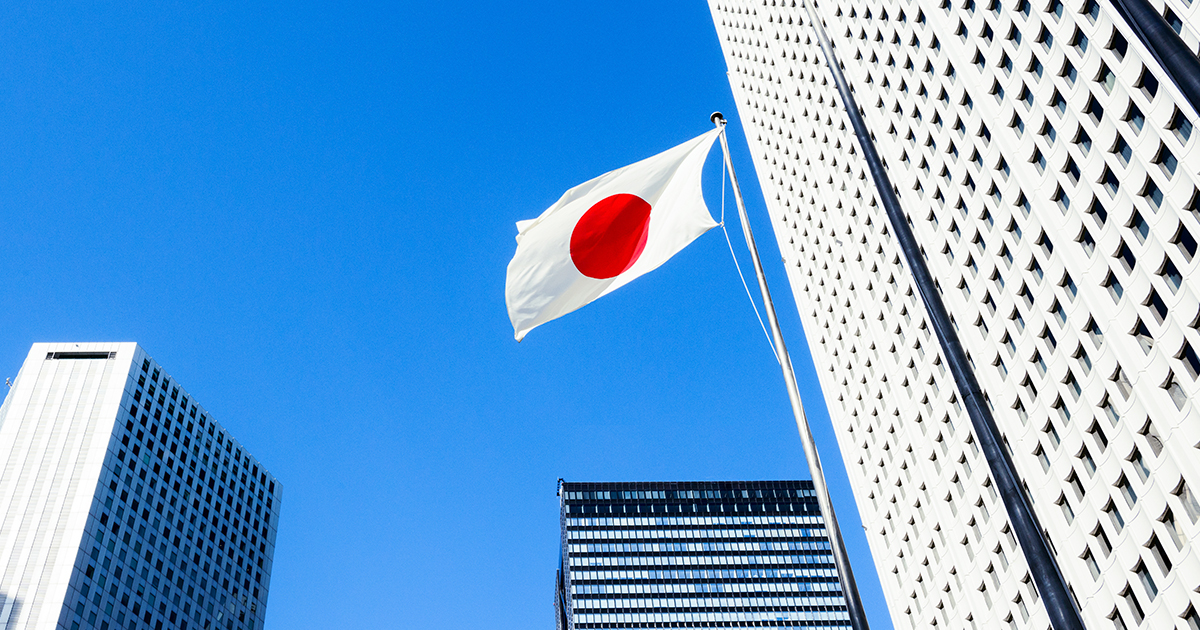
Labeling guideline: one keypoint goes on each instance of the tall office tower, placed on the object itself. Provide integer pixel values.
(123, 504)
(706, 554)
(1048, 167)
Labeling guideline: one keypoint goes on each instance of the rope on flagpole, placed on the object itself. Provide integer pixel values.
(753, 304)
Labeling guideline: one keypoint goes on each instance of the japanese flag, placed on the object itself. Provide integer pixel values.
(604, 233)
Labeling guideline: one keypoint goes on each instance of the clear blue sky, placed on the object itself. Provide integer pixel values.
(304, 211)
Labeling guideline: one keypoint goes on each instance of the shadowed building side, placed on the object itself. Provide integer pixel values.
(123, 504)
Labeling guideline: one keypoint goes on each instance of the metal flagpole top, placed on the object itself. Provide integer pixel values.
(717, 118)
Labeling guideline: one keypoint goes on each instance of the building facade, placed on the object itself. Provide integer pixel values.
(1048, 167)
(123, 504)
(709, 554)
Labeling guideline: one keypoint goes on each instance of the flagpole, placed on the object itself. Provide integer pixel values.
(854, 606)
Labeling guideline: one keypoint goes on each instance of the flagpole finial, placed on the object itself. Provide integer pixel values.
(717, 118)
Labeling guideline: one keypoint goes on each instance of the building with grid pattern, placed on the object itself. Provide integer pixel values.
(1048, 167)
(708, 554)
(123, 504)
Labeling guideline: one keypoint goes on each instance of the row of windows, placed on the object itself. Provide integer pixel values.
(697, 547)
(673, 624)
(756, 574)
(691, 508)
(808, 560)
(723, 603)
(717, 585)
(654, 596)
(770, 531)
(692, 521)
(607, 495)
(720, 619)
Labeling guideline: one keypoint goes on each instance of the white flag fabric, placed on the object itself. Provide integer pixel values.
(604, 233)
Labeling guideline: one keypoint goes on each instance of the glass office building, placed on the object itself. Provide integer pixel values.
(708, 554)
(123, 504)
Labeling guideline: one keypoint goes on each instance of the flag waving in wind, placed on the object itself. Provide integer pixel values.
(604, 233)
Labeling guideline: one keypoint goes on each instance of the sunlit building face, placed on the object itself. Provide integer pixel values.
(1048, 168)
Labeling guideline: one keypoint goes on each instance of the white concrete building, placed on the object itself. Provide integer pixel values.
(1049, 167)
(123, 504)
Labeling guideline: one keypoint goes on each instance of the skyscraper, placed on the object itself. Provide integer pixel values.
(706, 554)
(123, 504)
(1047, 165)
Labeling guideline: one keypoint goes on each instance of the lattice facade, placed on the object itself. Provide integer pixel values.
(1048, 167)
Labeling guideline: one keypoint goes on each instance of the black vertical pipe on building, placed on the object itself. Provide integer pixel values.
(560, 596)
(1043, 567)
(1165, 45)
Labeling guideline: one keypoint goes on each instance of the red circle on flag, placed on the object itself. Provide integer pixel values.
(610, 236)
